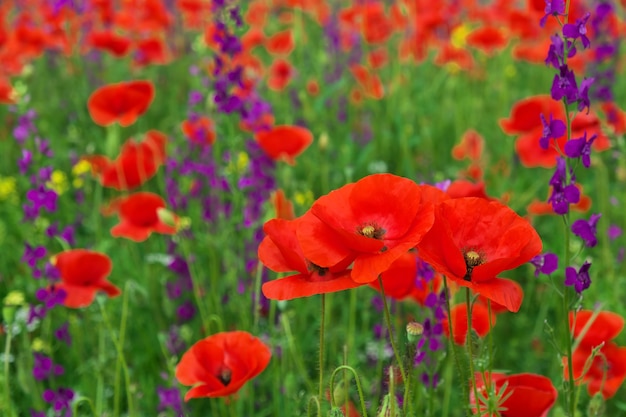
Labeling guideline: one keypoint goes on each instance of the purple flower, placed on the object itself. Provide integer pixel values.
(579, 279)
(42, 197)
(169, 398)
(556, 53)
(553, 130)
(186, 311)
(60, 399)
(614, 232)
(63, 334)
(51, 297)
(562, 194)
(580, 148)
(545, 263)
(564, 85)
(43, 367)
(578, 30)
(586, 230)
(553, 8)
(583, 94)
(32, 255)
(24, 162)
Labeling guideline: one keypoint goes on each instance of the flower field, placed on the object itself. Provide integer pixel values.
(312, 208)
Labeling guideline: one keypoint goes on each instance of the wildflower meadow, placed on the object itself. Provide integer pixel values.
(271, 208)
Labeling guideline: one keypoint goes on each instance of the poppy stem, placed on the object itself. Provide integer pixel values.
(358, 387)
(120, 352)
(390, 328)
(457, 361)
(571, 392)
(321, 350)
(468, 301)
(7, 353)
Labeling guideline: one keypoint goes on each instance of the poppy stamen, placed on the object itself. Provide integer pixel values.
(472, 260)
(372, 231)
(316, 268)
(225, 376)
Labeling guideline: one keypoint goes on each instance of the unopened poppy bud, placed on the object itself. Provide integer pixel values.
(389, 407)
(166, 217)
(340, 393)
(596, 407)
(323, 141)
(336, 412)
(413, 331)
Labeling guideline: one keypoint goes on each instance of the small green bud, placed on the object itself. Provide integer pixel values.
(596, 407)
(389, 407)
(336, 412)
(413, 331)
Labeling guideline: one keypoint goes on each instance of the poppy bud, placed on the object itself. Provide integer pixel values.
(336, 412)
(413, 331)
(340, 393)
(596, 407)
(166, 217)
(389, 407)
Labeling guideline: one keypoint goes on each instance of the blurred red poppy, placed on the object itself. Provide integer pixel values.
(472, 240)
(488, 39)
(605, 374)
(109, 41)
(471, 146)
(368, 81)
(527, 395)
(221, 364)
(281, 252)
(375, 221)
(121, 102)
(199, 130)
(280, 74)
(136, 163)
(594, 328)
(376, 26)
(7, 95)
(284, 142)
(282, 206)
(280, 43)
(480, 322)
(83, 273)
(139, 217)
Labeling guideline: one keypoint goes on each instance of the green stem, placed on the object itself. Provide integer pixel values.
(468, 303)
(321, 350)
(390, 328)
(566, 325)
(7, 385)
(457, 360)
(120, 353)
(196, 286)
(358, 387)
(118, 365)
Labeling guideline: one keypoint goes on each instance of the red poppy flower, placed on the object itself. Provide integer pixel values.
(139, 217)
(378, 58)
(281, 252)
(199, 130)
(221, 364)
(399, 280)
(83, 273)
(284, 142)
(525, 114)
(6, 92)
(527, 395)
(122, 102)
(375, 220)
(488, 39)
(376, 26)
(471, 146)
(136, 163)
(606, 373)
(472, 240)
(280, 43)
(480, 322)
(151, 51)
(109, 41)
(615, 117)
(605, 326)
(369, 82)
(449, 54)
(282, 206)
(280, 73)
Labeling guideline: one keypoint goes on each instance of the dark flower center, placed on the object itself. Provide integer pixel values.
(472, 260)
(372, 231)
(313, 268)
(224, 376)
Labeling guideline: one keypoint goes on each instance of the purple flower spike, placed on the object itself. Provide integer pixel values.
(583, 94)
(562, 194)
(564, 85)
(553, 130)
(545, 263)
(579, 279)
(580, 148)
(586, 230)
(553, 8)
(578, 30)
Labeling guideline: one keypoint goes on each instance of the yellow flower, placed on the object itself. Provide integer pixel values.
(81, 168)
(238, 164)
(14, 298)
(39, 345)
(459, 36)
(58, 182)
(8, 187)
(303, 199)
